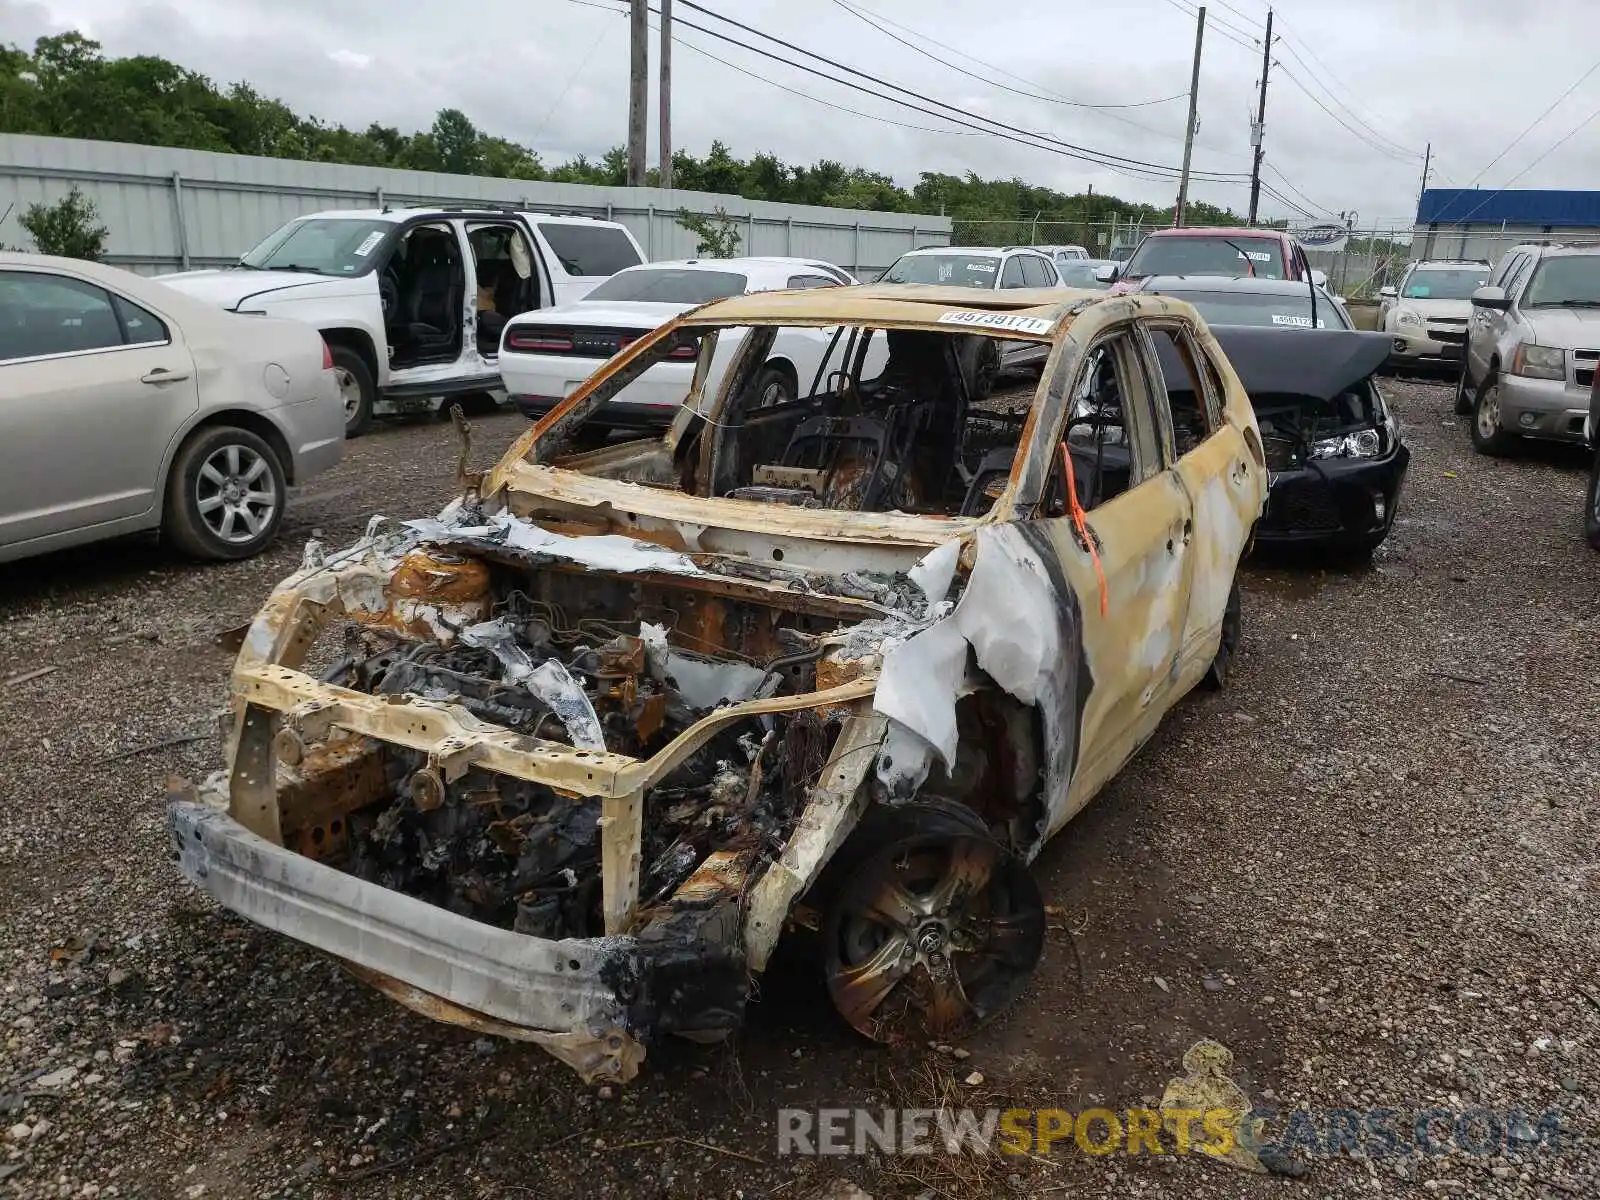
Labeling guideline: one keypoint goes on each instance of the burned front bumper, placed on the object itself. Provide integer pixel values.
(1348, 502)
(593, 1003)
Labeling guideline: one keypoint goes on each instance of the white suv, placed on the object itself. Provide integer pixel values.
(413, 301)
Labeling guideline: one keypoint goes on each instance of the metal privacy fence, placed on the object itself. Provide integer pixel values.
(169, 209)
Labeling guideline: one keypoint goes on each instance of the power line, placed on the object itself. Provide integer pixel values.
(1284, 179)
(1246, 17)
(1581, 126)
(1355, 111)
(1222, 30)
(1115, 162)
(1042, 92)
(1296, 209)
(1593, 67)
(1361, 137)
(1374, 135)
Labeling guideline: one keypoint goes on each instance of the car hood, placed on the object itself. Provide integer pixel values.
(1568, 328)
(629, 314)
(1320, 363)
(230, 287)
(1460, 309)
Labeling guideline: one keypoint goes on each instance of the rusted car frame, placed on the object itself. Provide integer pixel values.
(816, 672)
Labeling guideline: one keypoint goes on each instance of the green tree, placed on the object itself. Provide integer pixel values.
(67, 228)
(716, 234)
(456, 139)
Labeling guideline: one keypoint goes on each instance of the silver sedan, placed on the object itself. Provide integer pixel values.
(127, 407)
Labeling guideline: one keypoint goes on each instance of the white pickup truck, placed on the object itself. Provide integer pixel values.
(412, 301)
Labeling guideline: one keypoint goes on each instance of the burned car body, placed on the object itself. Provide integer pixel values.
(1333, 446)
(577, 751)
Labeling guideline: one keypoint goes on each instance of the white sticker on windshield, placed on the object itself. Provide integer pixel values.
(996, 320)
(986, 267)
(371, 240)
(1258, 255)
(1296, 321)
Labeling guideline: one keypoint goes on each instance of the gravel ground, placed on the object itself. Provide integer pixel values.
(1369, 868)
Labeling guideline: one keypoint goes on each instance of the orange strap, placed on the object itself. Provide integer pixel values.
(1080, 522)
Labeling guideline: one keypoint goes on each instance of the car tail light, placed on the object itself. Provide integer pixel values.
(686, 353)
(534, 340)
(327, 356)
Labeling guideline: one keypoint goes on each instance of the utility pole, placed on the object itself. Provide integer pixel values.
(666, 93)
(638, 88)
(1427, 161)
(1188, 133)
(1258, 134)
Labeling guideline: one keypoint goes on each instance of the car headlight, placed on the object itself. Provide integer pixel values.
(1408, 316)
(1539, 362)
(1367, 443)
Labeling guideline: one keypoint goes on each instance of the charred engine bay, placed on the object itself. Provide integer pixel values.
(524, 857)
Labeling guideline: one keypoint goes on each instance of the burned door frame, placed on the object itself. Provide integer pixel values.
(1118, 701)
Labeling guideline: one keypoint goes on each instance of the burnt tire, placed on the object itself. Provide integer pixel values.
(1591, 505)
(357, 389)
(1487, 435)
(1217, 674)
(470, 404)
(931, 926)
(225, 496)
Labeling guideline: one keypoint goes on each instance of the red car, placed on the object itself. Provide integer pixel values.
(1232, 252)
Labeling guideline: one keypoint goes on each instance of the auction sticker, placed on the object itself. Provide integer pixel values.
(366, 247)
(1297, 321)
(996, 320)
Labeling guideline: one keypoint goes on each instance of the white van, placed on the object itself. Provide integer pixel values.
(412, 301)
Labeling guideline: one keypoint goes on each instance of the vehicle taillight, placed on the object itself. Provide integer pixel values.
(327, 356)
(686, 353)
(540, 341)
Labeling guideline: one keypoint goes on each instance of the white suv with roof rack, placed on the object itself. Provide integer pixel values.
(412, 301)
(1426, 316)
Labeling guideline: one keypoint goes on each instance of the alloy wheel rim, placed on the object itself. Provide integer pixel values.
(929, 934)
(349, 392)
(236, 494)
(1489, 412)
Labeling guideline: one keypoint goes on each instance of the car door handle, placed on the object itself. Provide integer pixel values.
(161, 375)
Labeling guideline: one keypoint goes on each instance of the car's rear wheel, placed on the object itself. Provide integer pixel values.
(1591, 505)
(1216, 676)
(774, 386)
(986, 369)
(357, 389)
(470, 404)
(225, 496)
(1487, 435)
(934, 926)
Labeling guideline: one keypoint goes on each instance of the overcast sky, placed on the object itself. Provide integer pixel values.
(552, 74)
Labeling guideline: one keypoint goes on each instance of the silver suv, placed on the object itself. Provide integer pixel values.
(1533, 343)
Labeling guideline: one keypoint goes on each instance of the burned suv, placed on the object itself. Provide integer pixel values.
(564, 762)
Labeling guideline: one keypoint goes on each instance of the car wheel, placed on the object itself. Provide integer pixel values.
(1463, 397)
(1487, 435)
(356, 390)
(1216, 676)
(1591, 505)
(986, 369)
(935, 926)
(225, 496)
(774, 386)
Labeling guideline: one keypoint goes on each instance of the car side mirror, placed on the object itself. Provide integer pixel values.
(1105, 274)
(1389, 293)
(1319, 277)
(1491, 297)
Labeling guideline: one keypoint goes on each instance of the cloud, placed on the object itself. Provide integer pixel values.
(554, 75)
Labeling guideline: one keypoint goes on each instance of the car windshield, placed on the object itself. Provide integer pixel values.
(1573, 280)
(1253, 308)
(670, 285)
(957, 270)
(1435, 283)
(1079, 272)
(1202, 255)
(322, 245)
